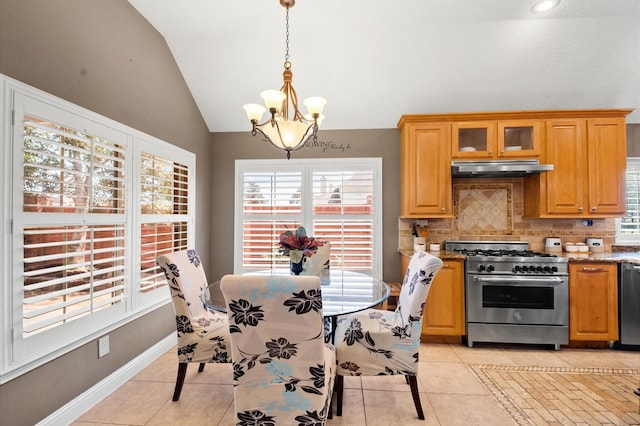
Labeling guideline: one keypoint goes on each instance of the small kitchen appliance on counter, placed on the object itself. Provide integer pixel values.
(514, 295)
(553, 244)
(596, 245)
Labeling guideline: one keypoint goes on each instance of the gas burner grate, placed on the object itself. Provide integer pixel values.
(503, 253)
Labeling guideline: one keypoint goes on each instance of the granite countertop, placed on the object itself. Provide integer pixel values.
(611, 257)
(442, 254)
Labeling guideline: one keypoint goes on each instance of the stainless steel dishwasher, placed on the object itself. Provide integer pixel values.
(629, 307)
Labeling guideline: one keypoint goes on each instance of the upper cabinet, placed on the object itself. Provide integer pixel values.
(425, 157)
(587, 149)
(589, 157)
(496, 140)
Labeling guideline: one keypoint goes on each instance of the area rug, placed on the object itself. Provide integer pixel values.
(564, 395)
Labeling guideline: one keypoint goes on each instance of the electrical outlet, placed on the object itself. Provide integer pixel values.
(422, 222)
(103, 346)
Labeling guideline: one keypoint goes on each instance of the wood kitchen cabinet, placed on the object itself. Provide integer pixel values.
(587, 149)
(496, 140)
(426, 171)
(444, 310)
(593, 301)
(588, 180)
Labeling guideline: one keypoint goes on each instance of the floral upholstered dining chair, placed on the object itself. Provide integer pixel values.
(203, 336)
(283, 372)
(378, 342)
(318, 264)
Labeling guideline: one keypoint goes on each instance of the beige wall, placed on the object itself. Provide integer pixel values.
(633, 140)
(104, 56)
(227, 147)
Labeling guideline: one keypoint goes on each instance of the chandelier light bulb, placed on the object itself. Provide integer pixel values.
(254, 111)
(273, 99)
(315, 104)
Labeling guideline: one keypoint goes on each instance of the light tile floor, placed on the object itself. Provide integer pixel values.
(450, 393)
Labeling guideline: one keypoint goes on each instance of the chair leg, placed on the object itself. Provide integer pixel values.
(201, 367)
(413, 383)
(182, 372)
(339, 389)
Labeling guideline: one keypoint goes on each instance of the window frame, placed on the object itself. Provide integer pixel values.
(633, 163)
(20, 354)
(307, 166)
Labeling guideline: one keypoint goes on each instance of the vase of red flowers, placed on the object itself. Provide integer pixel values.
(296, 267)
(297, 246)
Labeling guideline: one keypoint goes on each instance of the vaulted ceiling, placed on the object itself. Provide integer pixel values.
(374, 60)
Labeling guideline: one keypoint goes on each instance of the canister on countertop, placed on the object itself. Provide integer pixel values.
(552, 244)
(596, 245)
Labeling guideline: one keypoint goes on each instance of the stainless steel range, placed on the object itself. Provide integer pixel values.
(514, 295)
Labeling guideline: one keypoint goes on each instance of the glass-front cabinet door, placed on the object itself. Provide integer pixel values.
(475, 139)
(519, 138)
(496, 139)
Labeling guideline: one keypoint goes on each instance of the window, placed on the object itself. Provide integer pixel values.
(91, 209)
(336, 200)
(628, 227)
(71, 269)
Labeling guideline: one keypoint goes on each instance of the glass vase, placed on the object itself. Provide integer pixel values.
(296, 267)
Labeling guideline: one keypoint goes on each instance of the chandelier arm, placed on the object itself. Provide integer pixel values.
(304, 139)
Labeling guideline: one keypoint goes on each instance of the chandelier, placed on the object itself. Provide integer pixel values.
(285, 129)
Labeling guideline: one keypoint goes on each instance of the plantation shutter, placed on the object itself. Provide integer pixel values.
(271, 204)
(70, 272)
(630, 224)
(334, 199)
(343, 215)
(164, 205)
(74, 259)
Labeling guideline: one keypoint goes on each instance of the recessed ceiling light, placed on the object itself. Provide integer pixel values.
(544, 5)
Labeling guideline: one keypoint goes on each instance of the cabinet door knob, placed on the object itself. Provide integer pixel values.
(442, 209)
(594, 208)
(580, 209)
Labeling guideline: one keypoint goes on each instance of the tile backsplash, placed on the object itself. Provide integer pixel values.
(492, 209)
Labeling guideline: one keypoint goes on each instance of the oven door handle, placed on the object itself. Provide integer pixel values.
(519, 280)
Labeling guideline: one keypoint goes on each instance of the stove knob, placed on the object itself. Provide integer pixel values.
(490, 268)
(554, 269)
(538, 268)
(547, 269)
(525, 268)
(517, 268)
(480, 268)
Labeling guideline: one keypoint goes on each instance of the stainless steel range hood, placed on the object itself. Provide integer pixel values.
(498, 168)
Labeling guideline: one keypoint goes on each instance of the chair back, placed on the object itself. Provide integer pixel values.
(415, 288)
(202, 335)
(281, 374)
(187, 281)
(318, 264)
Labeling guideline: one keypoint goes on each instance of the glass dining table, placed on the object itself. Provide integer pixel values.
(345, 292)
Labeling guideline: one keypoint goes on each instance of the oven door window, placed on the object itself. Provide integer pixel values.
(519, 297)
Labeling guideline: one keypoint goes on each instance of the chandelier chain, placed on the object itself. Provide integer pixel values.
(286, 55)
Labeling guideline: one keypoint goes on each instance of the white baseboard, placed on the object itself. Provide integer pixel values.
(71, 411)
